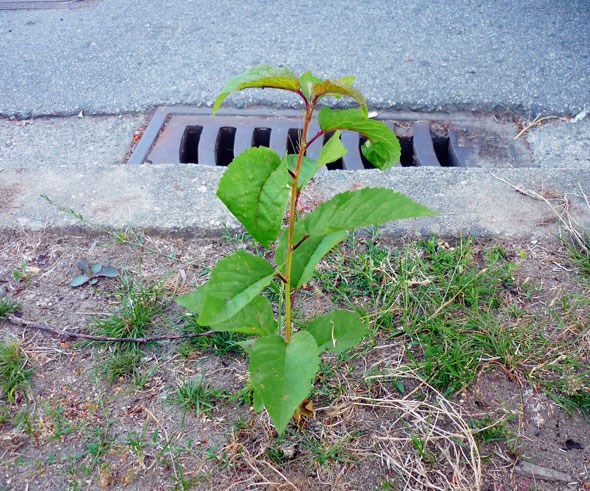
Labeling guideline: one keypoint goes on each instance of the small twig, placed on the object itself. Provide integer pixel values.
(536, 122)
(75, 335)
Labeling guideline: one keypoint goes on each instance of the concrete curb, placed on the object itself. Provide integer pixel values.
(180, 199)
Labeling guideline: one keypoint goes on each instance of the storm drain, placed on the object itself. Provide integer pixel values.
(185, 135)
(41, 4)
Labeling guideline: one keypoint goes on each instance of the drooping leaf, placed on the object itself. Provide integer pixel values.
(255, 188)
(282, 374)
(387, 152)
(337, 331)
(339, 88)
(368, 206)
(307, 170)
(108, 272)
(256, 319)
(333, 150)
(259, 77)
(307, 255)
(234, 282)
(79, 280)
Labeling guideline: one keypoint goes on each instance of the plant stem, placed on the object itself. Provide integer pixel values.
(292, 216)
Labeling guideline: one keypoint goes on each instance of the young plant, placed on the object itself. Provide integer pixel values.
(92, 272)
(262, 189)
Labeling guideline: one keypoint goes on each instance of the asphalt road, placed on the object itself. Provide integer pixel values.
(115, 56)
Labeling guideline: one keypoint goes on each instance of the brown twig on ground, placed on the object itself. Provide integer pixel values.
(64, 335)
(536, 122)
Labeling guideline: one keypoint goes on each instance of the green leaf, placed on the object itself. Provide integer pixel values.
(307, 255)
(257, 401)
(383, 151)
(308, 81)
(348, 79)
(79, 280)
(256, 319)
(282, 374)
(108, 272)
(368, 206)
(234, 282)
(255, 188)
(333, 150)
(259, 77)
(339, 88)
(338, 330)
(96, 267)
(193, 301)
(307, 170)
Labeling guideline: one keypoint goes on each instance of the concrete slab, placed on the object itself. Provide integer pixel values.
(173, 199)
(63, 141)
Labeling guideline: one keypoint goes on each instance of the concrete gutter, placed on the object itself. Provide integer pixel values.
(77, 163)
(180, 199)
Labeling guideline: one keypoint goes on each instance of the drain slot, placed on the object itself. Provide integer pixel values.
(224, 145)
(261, 137)
(187, 136)
(189, 145)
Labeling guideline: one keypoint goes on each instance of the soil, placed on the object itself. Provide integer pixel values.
(75, 429)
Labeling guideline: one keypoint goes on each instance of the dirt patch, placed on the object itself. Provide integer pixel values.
(377, 424)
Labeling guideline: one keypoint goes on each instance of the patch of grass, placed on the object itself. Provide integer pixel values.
(121, 365)
(141, 303)
(197, 395)
(322, 451)
(441, 297)
(490, 428)
(20, 272)
(578, 248)
(15, 375)
(7, 307)
(453, 309)
(219, 343)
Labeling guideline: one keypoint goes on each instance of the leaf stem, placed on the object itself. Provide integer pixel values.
(292, 212)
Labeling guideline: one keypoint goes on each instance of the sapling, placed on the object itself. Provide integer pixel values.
(262, 190)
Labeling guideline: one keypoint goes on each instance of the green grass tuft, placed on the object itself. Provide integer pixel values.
(141, 304)
(15, 376)
(7, 307)
(197, 395)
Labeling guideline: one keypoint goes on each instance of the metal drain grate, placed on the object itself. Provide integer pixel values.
(187, 135)
(41, 4)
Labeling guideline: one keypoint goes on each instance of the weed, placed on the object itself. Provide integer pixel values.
(121, 365)
(262, 190)
(490, 428)
(322, 453)
(197, 395)
(579, 252)
(7, 307)
(15, 375)
(219, 343)
(91, 273)
(140, 304)
(20, 273)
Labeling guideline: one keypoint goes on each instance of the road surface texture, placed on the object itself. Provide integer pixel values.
(113, 56)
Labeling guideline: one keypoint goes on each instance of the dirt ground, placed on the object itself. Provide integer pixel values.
(75, 429)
